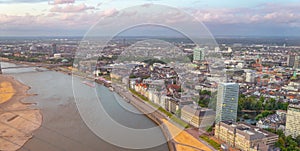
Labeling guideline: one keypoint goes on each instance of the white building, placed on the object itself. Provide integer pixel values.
(229, 49)
(198, 54)
(297, 62)
(250, 77)
(293, 121)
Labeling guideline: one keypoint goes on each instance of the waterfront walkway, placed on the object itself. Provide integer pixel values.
(178, 139)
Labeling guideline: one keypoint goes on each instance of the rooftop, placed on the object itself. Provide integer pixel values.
(198, 110)
(249, 131)
(297, 106)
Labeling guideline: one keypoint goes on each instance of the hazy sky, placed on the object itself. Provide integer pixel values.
(75, 17)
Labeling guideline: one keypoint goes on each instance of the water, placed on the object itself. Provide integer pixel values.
(63, 128)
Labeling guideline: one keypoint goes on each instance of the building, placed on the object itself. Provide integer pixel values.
(273, 121)
(171, 104)
(154, 96)
(57, 55)
(245, 137)
(297, 62)
(198, 54)
(250, 77)
(229, 50)
(54, 49)
(227, 102)
(197, 116)
(291, 60)
(293, 121)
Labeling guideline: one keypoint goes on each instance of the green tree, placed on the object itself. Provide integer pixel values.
(298, 140)
(291, 142)
(259, 106)
(280, 142)
(283, 105)
(259, 116)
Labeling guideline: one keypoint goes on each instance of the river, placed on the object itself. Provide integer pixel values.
(64, 129)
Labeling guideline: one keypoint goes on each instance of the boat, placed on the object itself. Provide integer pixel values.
(89, 84)
(38, 69)
(111, 88)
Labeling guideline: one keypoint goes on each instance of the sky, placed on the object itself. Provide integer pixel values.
(77, 17)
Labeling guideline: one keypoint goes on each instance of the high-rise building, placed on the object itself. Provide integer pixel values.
(297, 62)
(54, 51)
(227, 102)
(290, 60)
(293, 121)
(198, 54)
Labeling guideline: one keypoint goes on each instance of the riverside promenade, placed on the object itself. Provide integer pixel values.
(178, 139)
(147, 110)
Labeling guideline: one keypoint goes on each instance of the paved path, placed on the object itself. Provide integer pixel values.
(155, 115)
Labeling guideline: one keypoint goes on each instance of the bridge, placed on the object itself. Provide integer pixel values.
(30, 66)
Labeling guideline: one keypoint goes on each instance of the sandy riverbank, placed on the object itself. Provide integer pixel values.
(17, 120)
(184, 140)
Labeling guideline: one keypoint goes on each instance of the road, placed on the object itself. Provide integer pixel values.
(155, 115)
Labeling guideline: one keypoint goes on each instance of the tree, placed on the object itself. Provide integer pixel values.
(262, 99)
(280, 143)
(209, 129)
(259, 116)
(203, 102)
(280, 133)
(204, 92)
(266, 113)
(283, 105)
(259, 106)
(290, 142)
(298, 140)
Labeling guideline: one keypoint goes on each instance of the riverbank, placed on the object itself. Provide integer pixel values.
(152, 114)
(178, 139)
(17, 119)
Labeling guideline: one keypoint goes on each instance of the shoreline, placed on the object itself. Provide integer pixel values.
(157, 117)
(151, 115)
(18, 120)
(177, 139)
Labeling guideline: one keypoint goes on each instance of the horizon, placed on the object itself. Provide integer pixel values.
(75, 17)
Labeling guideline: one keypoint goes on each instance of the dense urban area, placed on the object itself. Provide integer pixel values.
(240, 94)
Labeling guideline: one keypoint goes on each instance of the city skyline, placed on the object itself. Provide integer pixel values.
(75, 17)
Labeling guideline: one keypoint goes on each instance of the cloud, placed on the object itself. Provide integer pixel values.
(263, 19)
(55, 2)
(99, 4)
(265, 13)
(109, 12)
(53, 21)
(21, 1)
(71, 8)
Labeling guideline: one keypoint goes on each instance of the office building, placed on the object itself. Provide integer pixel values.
(198, 54)
(54, 51)
(297, 62)
(197, 116)
(293, 61)
(293, 121)
(227, 102)
(244, 136)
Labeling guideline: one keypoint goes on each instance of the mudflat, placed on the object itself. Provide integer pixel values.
(18, 120)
